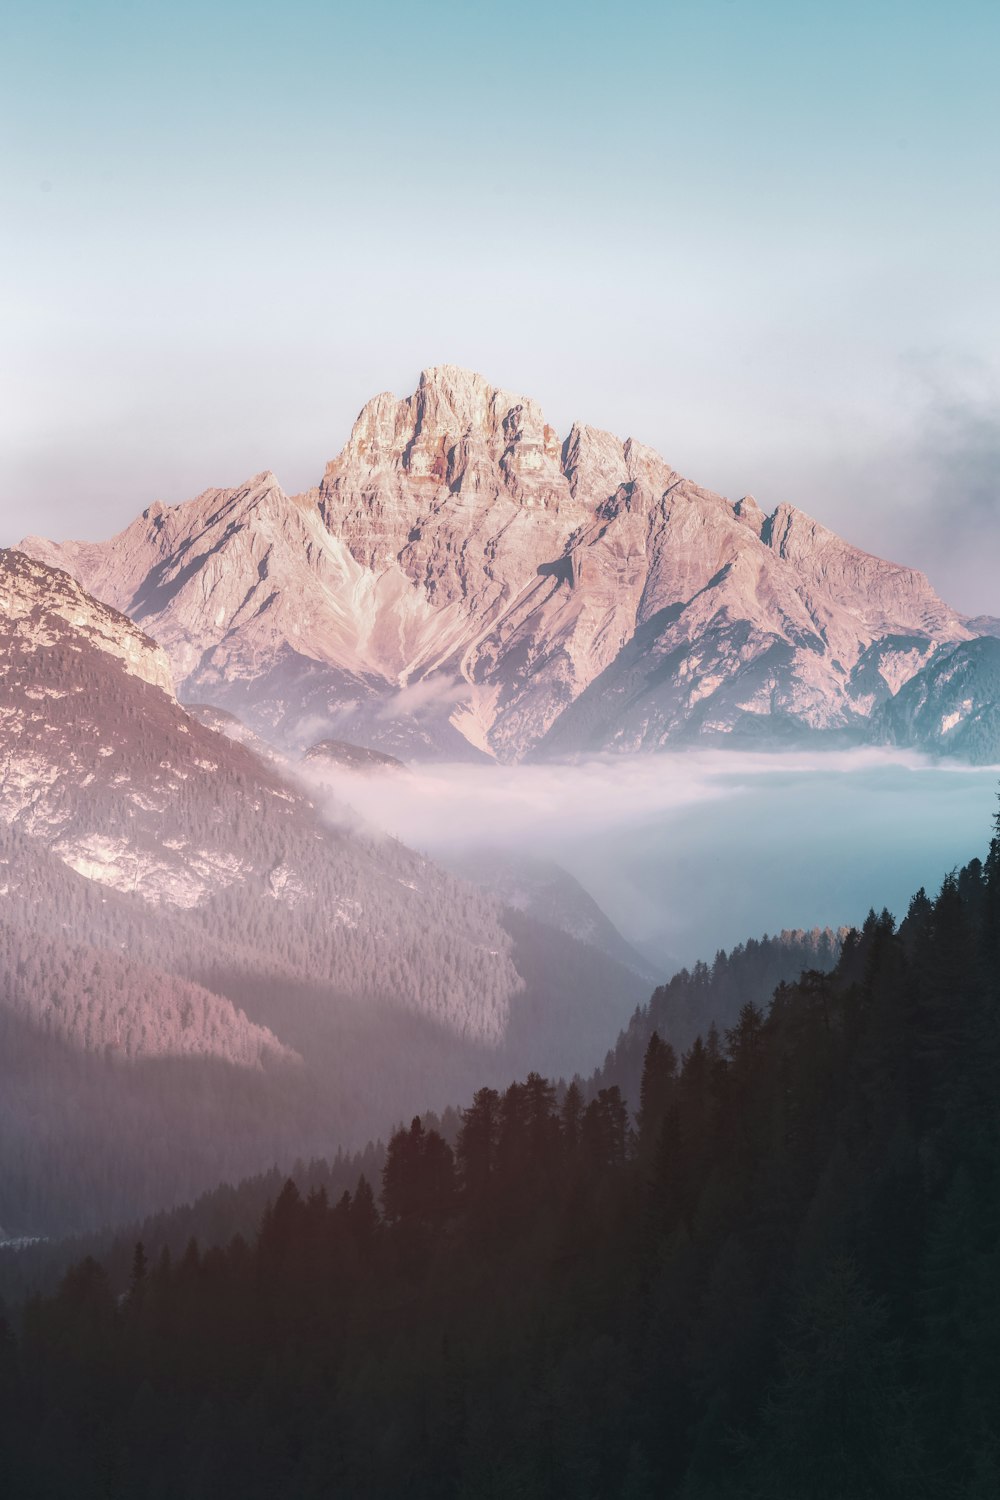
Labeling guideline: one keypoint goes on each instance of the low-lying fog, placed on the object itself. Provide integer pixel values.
(689, 852)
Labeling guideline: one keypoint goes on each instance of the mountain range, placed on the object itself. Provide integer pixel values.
(464, 583)
(210, 963)
(206, 960)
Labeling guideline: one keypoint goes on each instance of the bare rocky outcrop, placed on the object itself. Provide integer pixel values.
(463, 582)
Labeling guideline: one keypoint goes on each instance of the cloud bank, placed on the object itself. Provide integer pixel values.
(691, 851)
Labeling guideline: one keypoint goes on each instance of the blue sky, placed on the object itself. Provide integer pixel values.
(762, 237)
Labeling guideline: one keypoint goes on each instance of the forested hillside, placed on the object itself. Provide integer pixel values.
(712, 995)
(88, 1139)
(213, 1218)
(182, 928)
(779, 1280)
(133, 1077)
(104, 1001)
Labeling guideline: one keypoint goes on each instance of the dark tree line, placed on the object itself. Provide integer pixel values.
(679, 1009)
(216, 1217)
(778, 1279)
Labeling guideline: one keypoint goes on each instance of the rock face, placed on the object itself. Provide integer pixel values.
(463, 582)
(952, 706)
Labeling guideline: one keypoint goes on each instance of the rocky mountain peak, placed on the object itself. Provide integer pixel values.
(463, 582)
(464, 400)
(750, 513)
(456, 428)
(594, 460)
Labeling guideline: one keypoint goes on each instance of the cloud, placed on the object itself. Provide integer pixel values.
(959, 507)
(428, 694)
(690, 851)
(313, 727)
(930, 496)
(454, 805)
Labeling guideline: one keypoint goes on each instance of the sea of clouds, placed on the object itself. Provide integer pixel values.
(692, 851)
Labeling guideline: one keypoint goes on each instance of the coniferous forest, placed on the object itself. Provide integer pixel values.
(498, 577)
(774, 1273)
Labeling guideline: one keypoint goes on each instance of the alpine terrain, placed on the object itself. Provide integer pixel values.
(464, 582)
(202, 967)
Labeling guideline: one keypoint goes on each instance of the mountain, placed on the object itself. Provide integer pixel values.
(108, 772)
(463, 583)
(343, 754)
(951, 706)
(203, 969)
(983, 625)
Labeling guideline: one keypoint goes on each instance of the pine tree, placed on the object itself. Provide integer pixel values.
(477, 1144)
(659, 1071)
(137, 1278)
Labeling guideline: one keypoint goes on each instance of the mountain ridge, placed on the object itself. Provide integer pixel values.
(204, 958)
(464, 584)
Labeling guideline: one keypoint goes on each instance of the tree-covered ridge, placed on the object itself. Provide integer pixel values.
(124, 788)
(213, 1218)
(117, 1098)
(103, 1001)
(104, 770)
(684, 1007)
(780, 1280)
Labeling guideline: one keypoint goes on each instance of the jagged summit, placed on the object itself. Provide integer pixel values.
(464, 581)
(456, 428)
(457, 421)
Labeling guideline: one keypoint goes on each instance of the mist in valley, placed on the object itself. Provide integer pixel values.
(692, 851)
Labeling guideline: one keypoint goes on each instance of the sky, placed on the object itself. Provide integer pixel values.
(760, 235)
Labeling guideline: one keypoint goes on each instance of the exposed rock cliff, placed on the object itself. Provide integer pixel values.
(464, 582)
